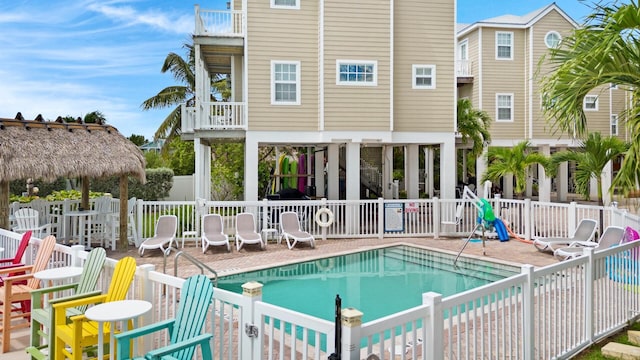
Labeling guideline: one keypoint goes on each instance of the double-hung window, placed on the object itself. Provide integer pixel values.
(285, 4)
(504, 107)
(424, 76)
(285, 82)
(357, 72)
(590, 103)
(614, 125)
(504, 45)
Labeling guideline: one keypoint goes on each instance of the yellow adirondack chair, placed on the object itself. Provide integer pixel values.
(41, 319)
(74, 336)
(17, 289)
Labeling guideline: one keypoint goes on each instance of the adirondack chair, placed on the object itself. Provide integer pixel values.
(41, 319)
(73, 335)
(185, 330)
(16, 260)
(29, 219)
(15, 290)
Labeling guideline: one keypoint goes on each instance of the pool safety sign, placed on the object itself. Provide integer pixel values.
(394, 217)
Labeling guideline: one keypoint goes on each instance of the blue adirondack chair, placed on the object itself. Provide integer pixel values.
(185, 330)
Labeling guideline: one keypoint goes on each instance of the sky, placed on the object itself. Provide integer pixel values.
(72, 57)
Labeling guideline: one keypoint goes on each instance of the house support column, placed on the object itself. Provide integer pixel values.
(562, 181)
(507, 184)
(481, 167)
(411, 169)
(387, 171)
(593, 189)
(428, 171)
(353, 187)
(607, 175)
(202, 176)
(333, 173)
(544, 182)
(250, 169)
(320, 174)
(448, 168)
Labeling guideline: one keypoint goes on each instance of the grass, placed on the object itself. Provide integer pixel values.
(594, 352)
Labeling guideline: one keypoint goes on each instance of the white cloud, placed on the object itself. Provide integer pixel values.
(155, 19)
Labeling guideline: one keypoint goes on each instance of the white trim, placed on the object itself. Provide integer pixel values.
(530, 80)
(321, 89)
(414, 76)
(288, 7)
(511, 46)
(357, 62)
(391, 64)
(511, 107)
(546, 39)
(614, 120)
(597, 101)
(480, 71)
(297, 82)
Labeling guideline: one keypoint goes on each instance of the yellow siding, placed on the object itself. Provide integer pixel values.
(424, 40)
(288, 35)
(504, 77)
(474, 57)
(357, 30)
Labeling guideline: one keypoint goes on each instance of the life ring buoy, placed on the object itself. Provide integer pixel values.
(325, 264)
(320, 217)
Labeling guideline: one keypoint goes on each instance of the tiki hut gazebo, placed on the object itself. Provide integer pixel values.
(47, 150)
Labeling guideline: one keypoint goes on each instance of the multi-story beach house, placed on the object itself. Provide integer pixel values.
(329, 82)
(500, 62)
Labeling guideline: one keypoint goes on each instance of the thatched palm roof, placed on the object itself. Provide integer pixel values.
(47, 150)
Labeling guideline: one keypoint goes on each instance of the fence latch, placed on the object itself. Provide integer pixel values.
(251, 330)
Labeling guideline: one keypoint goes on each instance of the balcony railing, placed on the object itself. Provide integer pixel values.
(219, 22)
(214, 116)
(463, 68)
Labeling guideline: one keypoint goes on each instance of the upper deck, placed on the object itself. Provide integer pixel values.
(220, 34)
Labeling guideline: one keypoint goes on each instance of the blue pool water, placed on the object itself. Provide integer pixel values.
(376, 282)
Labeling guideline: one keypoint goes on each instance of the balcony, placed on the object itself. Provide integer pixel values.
(213, 116)
(227, 23)
(464, 72)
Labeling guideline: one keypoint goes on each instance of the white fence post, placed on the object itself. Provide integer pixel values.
(139, 217)
(588, 294)
(380, 218)
(351, 326)
(437, 208)
(572, 215)
(250, 339)
(434, 347)
(528, 219)
(75, 255)
(528, 298)
(145, 291)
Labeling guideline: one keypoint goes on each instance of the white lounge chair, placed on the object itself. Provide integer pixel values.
(246, 231)
(585, 231)
(612, 235)
(213, 232)
(165, 233)
(292, 232)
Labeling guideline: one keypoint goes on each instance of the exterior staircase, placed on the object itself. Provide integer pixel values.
(616, 350)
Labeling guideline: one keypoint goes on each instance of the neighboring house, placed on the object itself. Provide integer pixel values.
(344, 82)
(155, 145)
(499, 68)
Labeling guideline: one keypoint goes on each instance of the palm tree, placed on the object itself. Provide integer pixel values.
(591, 159)
(473, 125)
(183, 71)
(502, 161)
(605, 51)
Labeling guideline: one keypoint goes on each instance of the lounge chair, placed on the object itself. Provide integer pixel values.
(166, 228)
(611, 236)
(246, 231)
(291, 231)
(213, 232)
(585, 231)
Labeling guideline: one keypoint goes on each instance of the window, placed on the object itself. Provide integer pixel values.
(463, 50)
(504, 45)
(424, 76)
(590, 103)
(285, 4)
(504, 107)
(614, 125)
(552, 39)
(350, 72)
(285, 82)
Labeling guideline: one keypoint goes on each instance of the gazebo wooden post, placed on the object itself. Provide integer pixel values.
(4, 205)
(123, 242)
(84, 203)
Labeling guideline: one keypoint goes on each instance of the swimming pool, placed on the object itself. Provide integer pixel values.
(377, 282)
